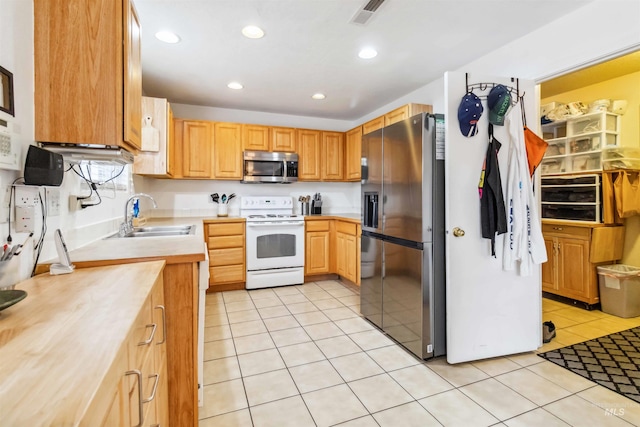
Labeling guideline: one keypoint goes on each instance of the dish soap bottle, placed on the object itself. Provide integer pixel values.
(136, 208)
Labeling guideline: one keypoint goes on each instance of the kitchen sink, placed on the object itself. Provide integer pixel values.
(159, 231)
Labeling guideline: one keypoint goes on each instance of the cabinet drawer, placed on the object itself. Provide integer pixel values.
(227, 274)
(219, 242)
(346, 227)
(226, 229)
(228, 256)
(567, 230)
(142, 333)
(317, 225)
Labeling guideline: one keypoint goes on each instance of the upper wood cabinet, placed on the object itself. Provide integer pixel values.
(405, 112)
(332, 156)
(309, 155)
(158, 162)
(373, 125)
(353, 154)
(227, 151)
(197, 149)
(283, 139)
(88, 80)
(255, 137)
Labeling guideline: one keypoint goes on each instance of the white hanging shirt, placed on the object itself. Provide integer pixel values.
(524, 243)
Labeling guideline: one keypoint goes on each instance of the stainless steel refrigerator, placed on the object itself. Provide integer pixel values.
(402, 249)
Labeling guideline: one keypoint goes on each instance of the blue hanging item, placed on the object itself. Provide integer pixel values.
(136, 208)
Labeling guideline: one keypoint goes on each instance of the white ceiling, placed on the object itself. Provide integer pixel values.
(311, 46)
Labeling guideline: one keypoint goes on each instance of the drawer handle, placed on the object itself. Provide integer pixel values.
(558, 228)
(138, 374)
(155, 388)
(153, 327)
(164, 323)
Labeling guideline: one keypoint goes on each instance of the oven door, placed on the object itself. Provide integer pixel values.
(275, 244)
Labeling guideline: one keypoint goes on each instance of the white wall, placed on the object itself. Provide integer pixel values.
(192, 197)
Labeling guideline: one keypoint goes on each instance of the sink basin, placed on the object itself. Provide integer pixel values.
(8, 297)
(160, 231)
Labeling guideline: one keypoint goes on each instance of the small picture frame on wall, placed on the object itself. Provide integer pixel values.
(6, 91)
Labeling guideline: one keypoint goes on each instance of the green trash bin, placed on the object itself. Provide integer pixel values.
(619, 290)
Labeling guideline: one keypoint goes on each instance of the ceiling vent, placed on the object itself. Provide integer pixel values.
(363, 15)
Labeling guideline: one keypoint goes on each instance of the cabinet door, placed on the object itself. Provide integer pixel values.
(171, 143)
(197, 140)
(309, 155)
(351, 267)
(332, 156)
(354, 154)
(396, 115)
(341, 254)
(227, 151)
(132, 76)
(82, 92)
(372, 125)
(549, 279)
(283, 139)
(573, 268)
(317, 252)
(255, 138)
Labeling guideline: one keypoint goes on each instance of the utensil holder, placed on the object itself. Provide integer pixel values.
(223, 209)
(304, 208)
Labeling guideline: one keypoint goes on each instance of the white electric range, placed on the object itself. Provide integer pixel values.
(274, 241)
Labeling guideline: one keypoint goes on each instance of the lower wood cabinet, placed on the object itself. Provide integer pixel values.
(574, 252)
(139, 395)
(226, 244)
(332, 246)
(347, 251)
(317, 244)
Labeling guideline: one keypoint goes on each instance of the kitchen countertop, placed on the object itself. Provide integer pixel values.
(58, 343)
(173, 249)
(349, 217)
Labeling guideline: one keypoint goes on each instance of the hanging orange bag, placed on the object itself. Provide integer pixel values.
(626, 188)
(535, 146)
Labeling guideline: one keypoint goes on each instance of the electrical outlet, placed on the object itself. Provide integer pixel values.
(26, 196)
(74, 204)
(53, 201)
(25, 218)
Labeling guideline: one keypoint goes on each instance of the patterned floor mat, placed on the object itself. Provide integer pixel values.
(613, 361)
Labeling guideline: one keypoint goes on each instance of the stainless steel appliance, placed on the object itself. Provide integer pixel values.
(263, 166)
(402, 249)
(274, 242)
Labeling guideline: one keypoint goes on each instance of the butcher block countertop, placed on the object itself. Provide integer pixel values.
(57, 344)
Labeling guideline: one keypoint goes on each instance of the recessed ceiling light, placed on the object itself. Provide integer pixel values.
(318, 96)
(368, 53)
(167, 37)
(253, 32)
(234, 85)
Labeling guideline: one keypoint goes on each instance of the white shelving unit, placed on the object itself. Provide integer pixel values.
(575, 145)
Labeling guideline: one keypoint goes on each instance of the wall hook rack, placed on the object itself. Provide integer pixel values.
(484, 86)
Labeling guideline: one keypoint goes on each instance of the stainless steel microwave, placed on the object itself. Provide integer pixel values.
(263, 166)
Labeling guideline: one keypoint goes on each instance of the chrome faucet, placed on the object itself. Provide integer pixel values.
(127, 226)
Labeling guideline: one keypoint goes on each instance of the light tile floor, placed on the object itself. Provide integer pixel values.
(302, 356)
